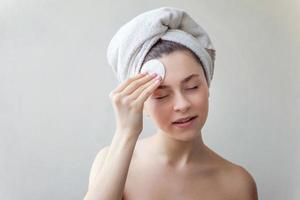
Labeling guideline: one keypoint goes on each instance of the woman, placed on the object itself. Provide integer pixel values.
(173, 163)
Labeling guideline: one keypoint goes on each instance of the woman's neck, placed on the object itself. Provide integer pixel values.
(178, 153)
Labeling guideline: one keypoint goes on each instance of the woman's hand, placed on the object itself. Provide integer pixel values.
(128, 101)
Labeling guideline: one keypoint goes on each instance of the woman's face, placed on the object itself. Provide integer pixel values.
(176, 98)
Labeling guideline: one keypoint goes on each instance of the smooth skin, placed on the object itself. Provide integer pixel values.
(110, 168)
(173, 163)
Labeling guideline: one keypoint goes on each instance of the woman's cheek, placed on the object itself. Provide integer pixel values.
(161, 114)
(201, 104)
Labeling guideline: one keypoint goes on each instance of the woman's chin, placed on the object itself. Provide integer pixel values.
(186, 135)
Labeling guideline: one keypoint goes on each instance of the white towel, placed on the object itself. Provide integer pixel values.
(129, 46)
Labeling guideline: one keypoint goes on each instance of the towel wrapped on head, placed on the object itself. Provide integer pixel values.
(129, 46)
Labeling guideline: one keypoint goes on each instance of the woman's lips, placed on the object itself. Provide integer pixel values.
(185, 124)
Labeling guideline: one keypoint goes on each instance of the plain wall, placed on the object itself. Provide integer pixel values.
(55, 113)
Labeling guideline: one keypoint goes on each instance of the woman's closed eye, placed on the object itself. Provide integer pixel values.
(193, 88)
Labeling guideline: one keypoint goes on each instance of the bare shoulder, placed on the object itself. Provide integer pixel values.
(97, 163)
(239, 182)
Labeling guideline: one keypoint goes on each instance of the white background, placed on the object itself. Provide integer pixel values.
(55, 113)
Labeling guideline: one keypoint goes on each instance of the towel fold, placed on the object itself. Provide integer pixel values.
(129, 46)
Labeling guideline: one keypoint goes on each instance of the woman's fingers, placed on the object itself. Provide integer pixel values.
(133, 86)
(128, 101)
(134, 95)
(143, 94)
(124, 84)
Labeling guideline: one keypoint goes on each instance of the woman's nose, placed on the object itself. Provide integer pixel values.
(181, 103)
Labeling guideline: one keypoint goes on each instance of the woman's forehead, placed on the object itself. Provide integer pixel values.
(180, 62)
(180, 67)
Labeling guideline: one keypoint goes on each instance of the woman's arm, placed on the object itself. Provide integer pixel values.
(110, 168)
(128, 101)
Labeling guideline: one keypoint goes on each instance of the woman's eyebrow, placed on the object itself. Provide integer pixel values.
(183, 81)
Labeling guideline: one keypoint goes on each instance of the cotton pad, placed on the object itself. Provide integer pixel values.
(154, 66)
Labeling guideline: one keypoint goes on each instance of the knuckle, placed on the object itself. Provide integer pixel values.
(129, 80)
(126, 101)
(116, 98)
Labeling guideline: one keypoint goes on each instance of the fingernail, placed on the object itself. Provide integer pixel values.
(158, 77)
(157, 80)
(153, 75)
